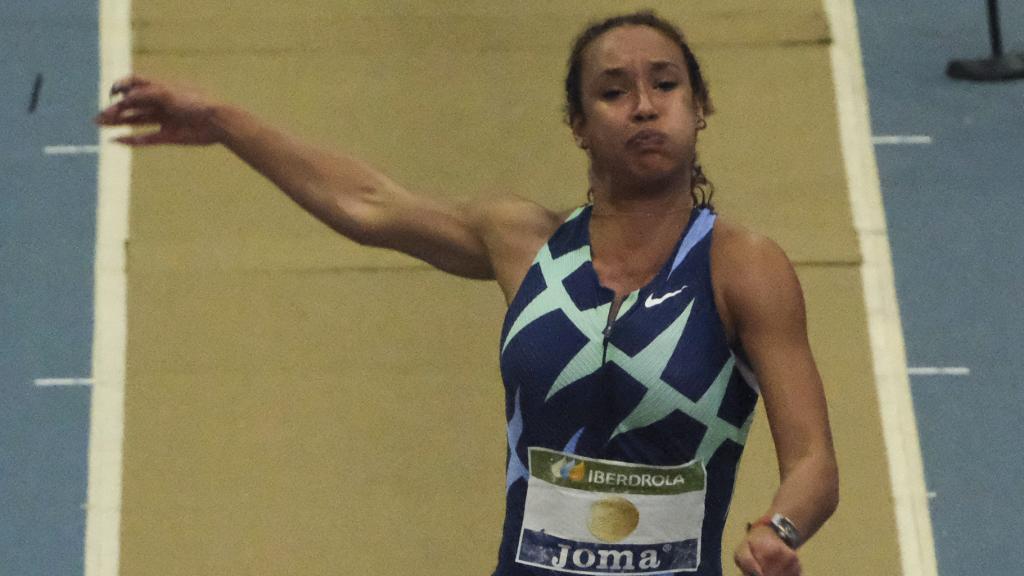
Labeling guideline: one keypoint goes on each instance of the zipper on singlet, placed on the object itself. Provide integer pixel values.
(607, 333)
(613, 313)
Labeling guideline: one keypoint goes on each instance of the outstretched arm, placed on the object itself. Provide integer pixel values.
(345, 193)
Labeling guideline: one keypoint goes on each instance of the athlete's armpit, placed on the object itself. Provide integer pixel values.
(512, 230)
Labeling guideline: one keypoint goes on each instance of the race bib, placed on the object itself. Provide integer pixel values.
(589, 516)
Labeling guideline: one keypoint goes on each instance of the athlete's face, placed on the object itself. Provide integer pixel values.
(639, 118)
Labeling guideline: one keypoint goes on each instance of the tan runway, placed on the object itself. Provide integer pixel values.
(299, 405)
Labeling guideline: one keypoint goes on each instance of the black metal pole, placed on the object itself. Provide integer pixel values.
(993, 29)
(999, 67)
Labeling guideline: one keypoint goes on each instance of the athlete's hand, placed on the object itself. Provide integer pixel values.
(184, 116)
(763, 553)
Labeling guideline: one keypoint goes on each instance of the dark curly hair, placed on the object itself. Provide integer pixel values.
(574, 90)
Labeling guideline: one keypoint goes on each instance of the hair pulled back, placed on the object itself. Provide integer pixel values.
(574, 79)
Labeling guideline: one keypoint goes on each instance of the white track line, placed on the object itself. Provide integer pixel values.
(939, 371)
(63, 382)
(70, 150)
(899, 426)
(901, 140)
(106, 434)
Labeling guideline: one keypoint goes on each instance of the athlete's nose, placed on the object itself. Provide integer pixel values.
(645, 109)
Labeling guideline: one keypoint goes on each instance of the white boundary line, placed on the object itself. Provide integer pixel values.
(106, 433)
(939, 371)
(901, 139)
(70, 149)
(899, 426)
(44, 382)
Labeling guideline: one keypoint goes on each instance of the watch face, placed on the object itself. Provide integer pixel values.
(785, 529)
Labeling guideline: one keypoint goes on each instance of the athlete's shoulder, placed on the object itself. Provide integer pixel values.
(753, 271)
(740, 246)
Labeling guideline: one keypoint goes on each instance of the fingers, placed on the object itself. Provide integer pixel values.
(138, 118)
(121, 114)
(773, 557)
(147, 139)
(178, 112)
(122, 85)
(135, 92)
(746, 562)
(140, 96)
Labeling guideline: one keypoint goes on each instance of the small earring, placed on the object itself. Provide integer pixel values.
(701, 123)
(581, 143)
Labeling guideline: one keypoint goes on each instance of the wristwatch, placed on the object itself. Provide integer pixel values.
(782, 526)
(785, 529)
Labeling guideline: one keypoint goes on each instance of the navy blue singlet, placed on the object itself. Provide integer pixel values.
(623, 441)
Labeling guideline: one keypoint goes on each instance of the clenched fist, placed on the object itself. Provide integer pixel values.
(763, 553)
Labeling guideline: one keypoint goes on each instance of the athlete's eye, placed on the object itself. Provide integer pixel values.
(667, 85)
(612, 93)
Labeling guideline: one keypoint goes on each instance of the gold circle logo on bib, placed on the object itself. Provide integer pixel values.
(613, 519)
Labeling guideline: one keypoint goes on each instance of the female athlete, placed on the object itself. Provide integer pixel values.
(641, 329)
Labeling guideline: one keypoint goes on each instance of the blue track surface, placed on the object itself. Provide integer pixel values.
(47, 238)
(954, 213)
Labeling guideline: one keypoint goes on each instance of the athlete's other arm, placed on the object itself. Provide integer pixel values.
(345, 193)
(766, 307)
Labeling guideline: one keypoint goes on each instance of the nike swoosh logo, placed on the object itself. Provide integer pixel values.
(652, 301)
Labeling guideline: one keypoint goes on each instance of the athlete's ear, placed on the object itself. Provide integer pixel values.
(579, 131)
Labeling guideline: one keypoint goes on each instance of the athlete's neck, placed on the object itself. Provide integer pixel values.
(666, 197)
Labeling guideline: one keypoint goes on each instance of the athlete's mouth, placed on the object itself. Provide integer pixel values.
(647, 137)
